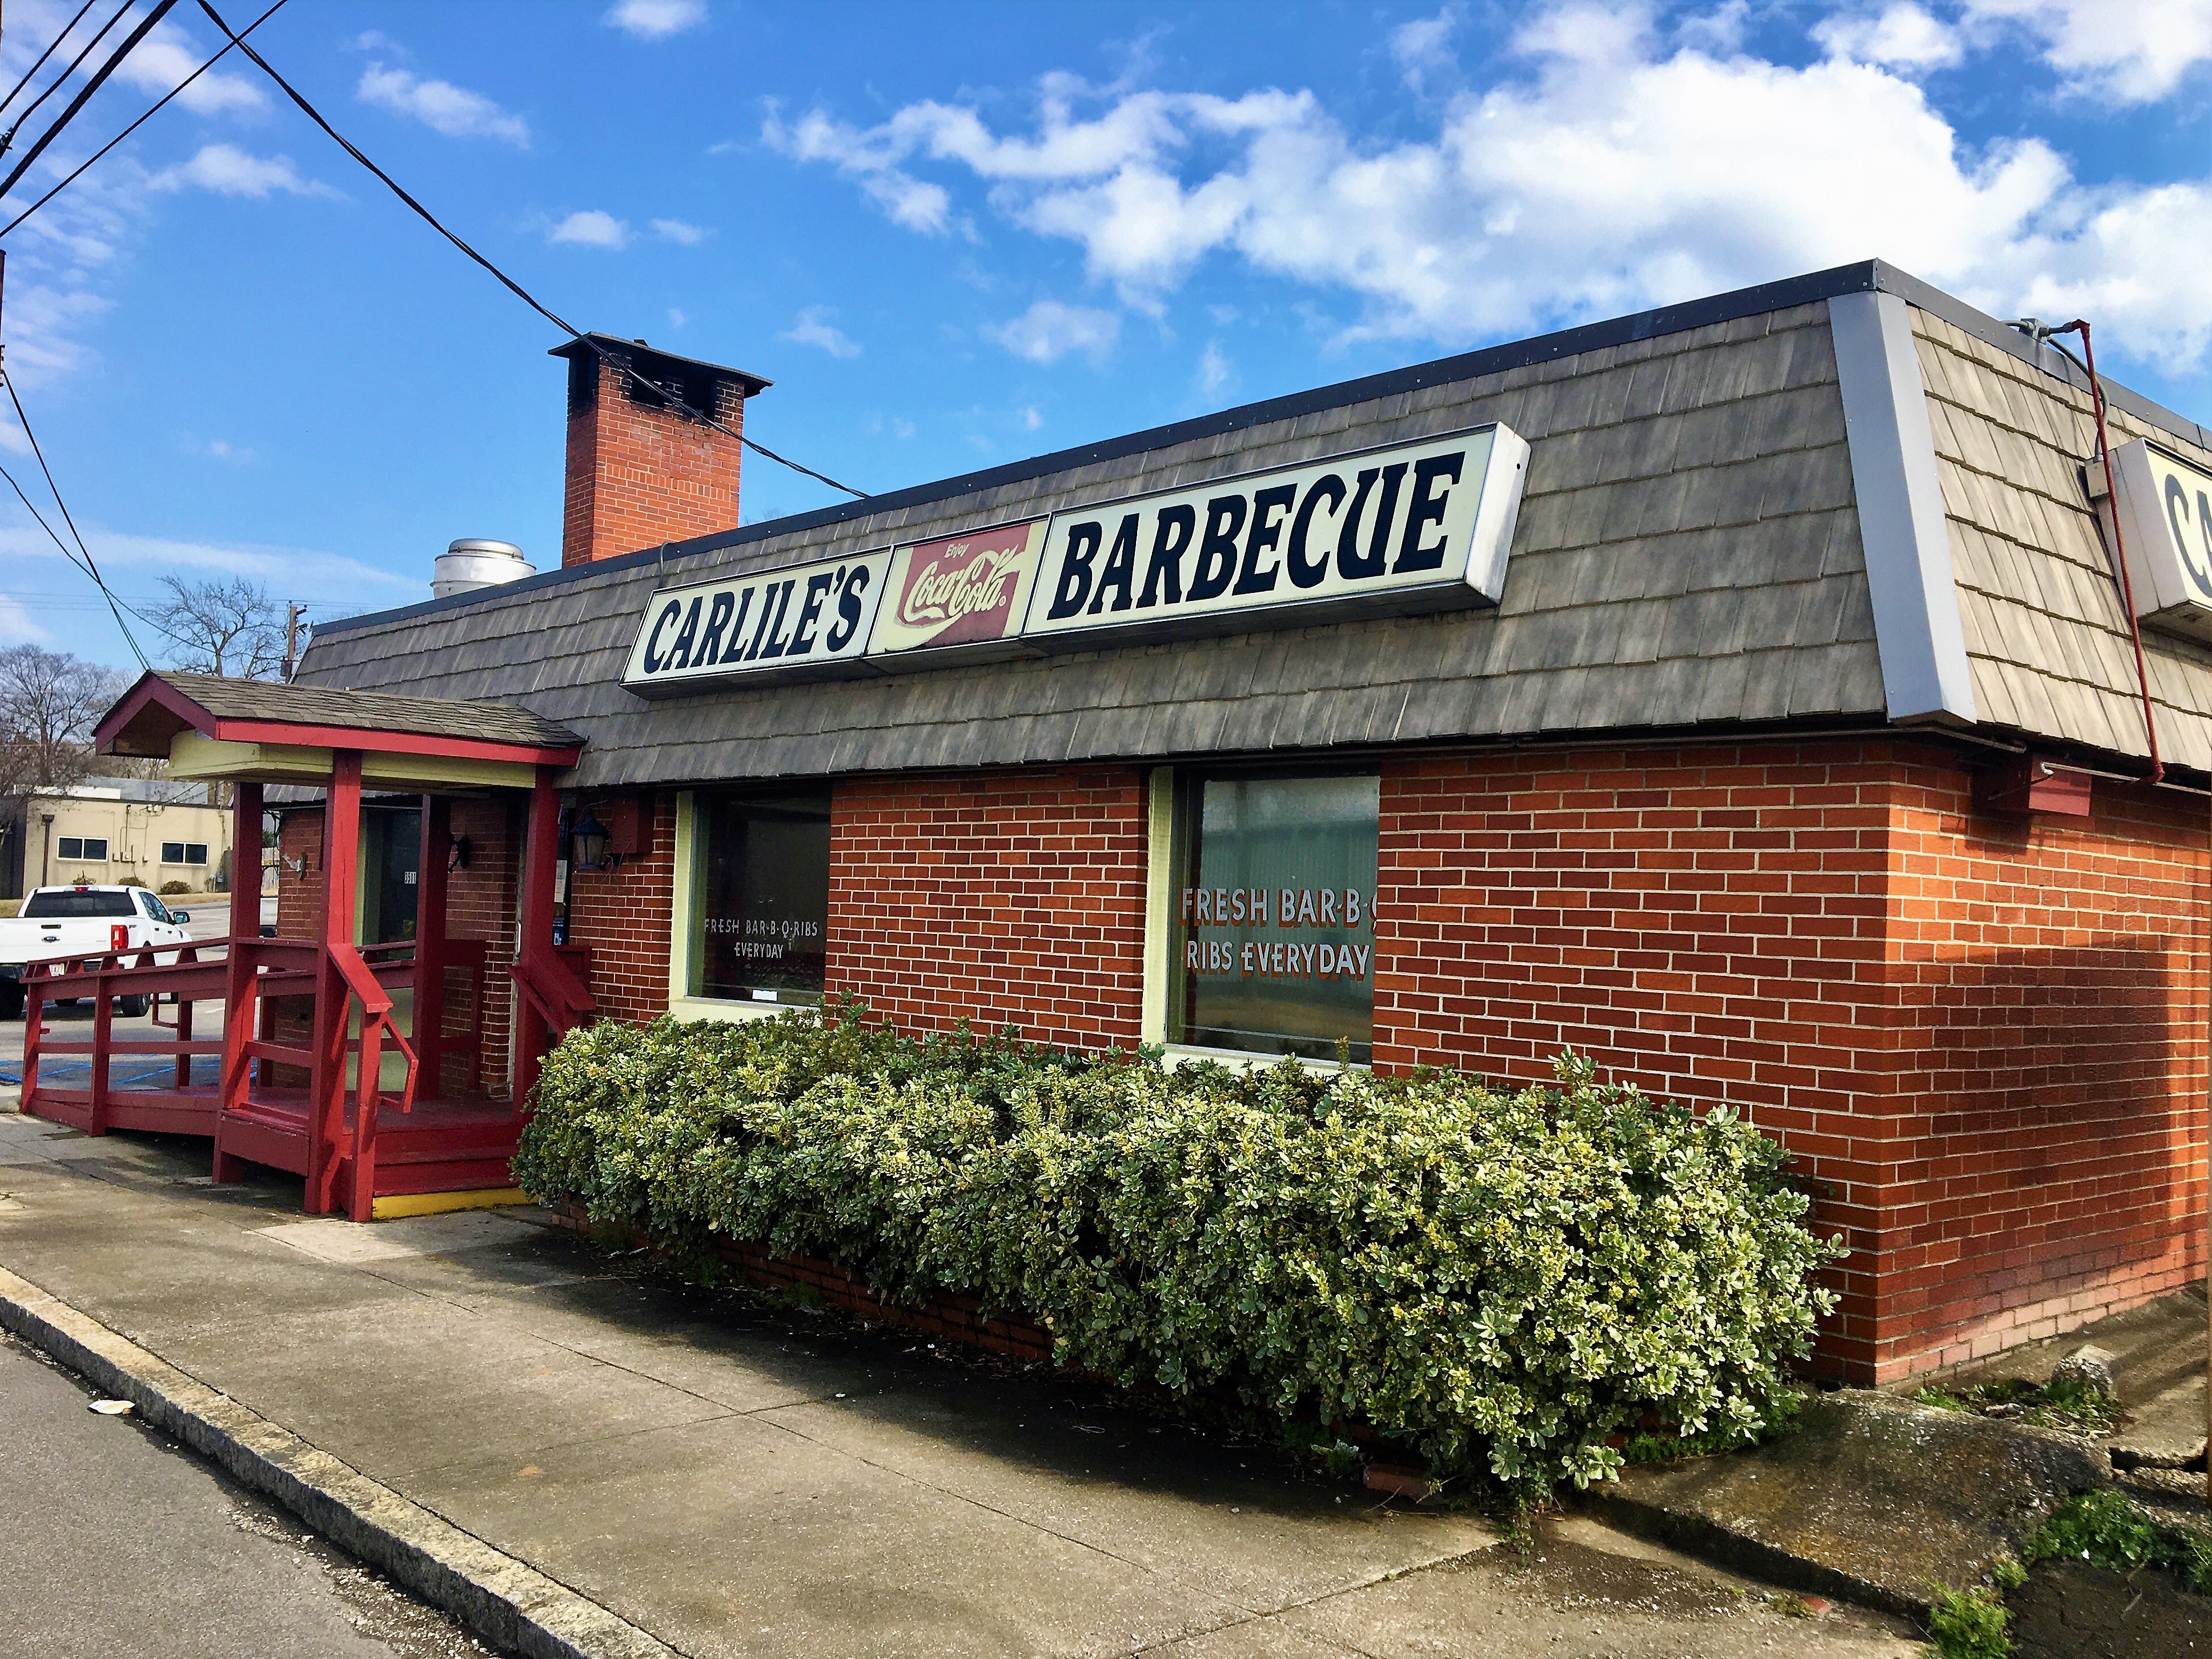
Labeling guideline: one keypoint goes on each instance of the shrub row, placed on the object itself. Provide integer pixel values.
(1509, 1280)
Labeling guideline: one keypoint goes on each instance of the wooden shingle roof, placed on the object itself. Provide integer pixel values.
(274, 701)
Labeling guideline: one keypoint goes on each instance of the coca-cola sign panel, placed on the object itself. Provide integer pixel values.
(1410, 527)
(971, 589)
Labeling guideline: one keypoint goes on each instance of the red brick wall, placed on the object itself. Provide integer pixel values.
(2049, 982)
(1983, 1036)
(638, 475)
(1014, 899)
(623, 914)
(299, 874)
(480, 903)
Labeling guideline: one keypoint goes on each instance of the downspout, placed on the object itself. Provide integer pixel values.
(2038, 332)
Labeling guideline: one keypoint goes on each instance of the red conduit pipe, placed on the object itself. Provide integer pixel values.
(2119, 547)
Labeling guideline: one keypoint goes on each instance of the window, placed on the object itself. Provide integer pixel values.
(155, 909)
(89, 850)
(761, 920)
(1274, 943)
(184, 852)
(64, 903)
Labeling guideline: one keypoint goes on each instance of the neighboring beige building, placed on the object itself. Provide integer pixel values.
(153, 830)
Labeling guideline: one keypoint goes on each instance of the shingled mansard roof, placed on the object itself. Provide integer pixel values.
(166, 701)
(1838, 501)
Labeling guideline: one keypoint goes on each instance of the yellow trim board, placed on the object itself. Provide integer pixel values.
(191, 756)
(395, 1205)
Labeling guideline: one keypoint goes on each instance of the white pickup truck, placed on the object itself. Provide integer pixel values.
(79, 922)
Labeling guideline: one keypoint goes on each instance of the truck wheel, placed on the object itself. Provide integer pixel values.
(132, 1008)
(11, 1001)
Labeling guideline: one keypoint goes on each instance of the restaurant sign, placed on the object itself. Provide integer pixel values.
(1418, 526)
(2165, 510)
(813, 617)
(1411, 527)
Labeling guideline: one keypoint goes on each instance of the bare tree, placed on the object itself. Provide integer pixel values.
(228, 625)
(49, 701)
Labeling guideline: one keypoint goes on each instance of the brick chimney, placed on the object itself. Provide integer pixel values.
(641, 472)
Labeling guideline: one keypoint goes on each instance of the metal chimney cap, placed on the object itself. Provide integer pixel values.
(483, 544)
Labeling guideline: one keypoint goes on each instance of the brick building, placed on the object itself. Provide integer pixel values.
(1743, 693)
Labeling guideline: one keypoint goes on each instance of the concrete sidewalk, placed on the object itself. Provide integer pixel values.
(731, 1477)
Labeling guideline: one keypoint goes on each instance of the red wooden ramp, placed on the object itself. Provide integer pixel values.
(305, 1094)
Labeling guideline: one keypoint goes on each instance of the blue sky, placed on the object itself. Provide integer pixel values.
(956, 235)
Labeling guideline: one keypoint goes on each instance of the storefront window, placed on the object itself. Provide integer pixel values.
(1275, 939)
(764, 911)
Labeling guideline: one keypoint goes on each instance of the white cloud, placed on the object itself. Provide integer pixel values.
(1032, 418)
(1718, 32)
(812, 329)
(1613, 170)
(590, 229)
(1049, 331)
(1214, 370)
(230, 171)
(378, 41)
(160, 63)
(297, 570)
(156, 66)
(677, 319)
(1901, 36)
(1423, 47)
(44, 321)
(17, 627)
(675, 230)
(220, 449)
(656, 20)
(908, 200)
(2127, 52)
(440, 105)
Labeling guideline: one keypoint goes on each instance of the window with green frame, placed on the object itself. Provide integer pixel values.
(760, 917)
(1273, 948)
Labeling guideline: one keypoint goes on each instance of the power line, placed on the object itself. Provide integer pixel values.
(107, 599)
(222, 51)
(505, 281)
(91, 565)
(67, 29)
(99, 78)
(61, 80)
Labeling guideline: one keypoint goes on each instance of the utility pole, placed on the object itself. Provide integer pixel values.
(292, 614)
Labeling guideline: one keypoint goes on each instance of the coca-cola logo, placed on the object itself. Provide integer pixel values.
(965, 587)
(968, 579)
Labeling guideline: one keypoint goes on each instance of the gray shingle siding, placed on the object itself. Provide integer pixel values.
(2046, 629)
(1686, 554)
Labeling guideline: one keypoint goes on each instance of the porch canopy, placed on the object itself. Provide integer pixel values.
(267, 732)
(251, 733)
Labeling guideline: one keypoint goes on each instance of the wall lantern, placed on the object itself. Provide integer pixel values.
(587, 843)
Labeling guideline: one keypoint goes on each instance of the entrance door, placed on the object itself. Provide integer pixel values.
(391, 845)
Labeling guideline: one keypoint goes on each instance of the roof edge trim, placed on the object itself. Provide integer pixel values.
(1902, 529)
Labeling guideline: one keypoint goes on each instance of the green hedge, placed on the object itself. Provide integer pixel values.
(1503, 1280)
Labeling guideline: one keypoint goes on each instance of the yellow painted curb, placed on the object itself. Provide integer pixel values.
(392, 1208)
